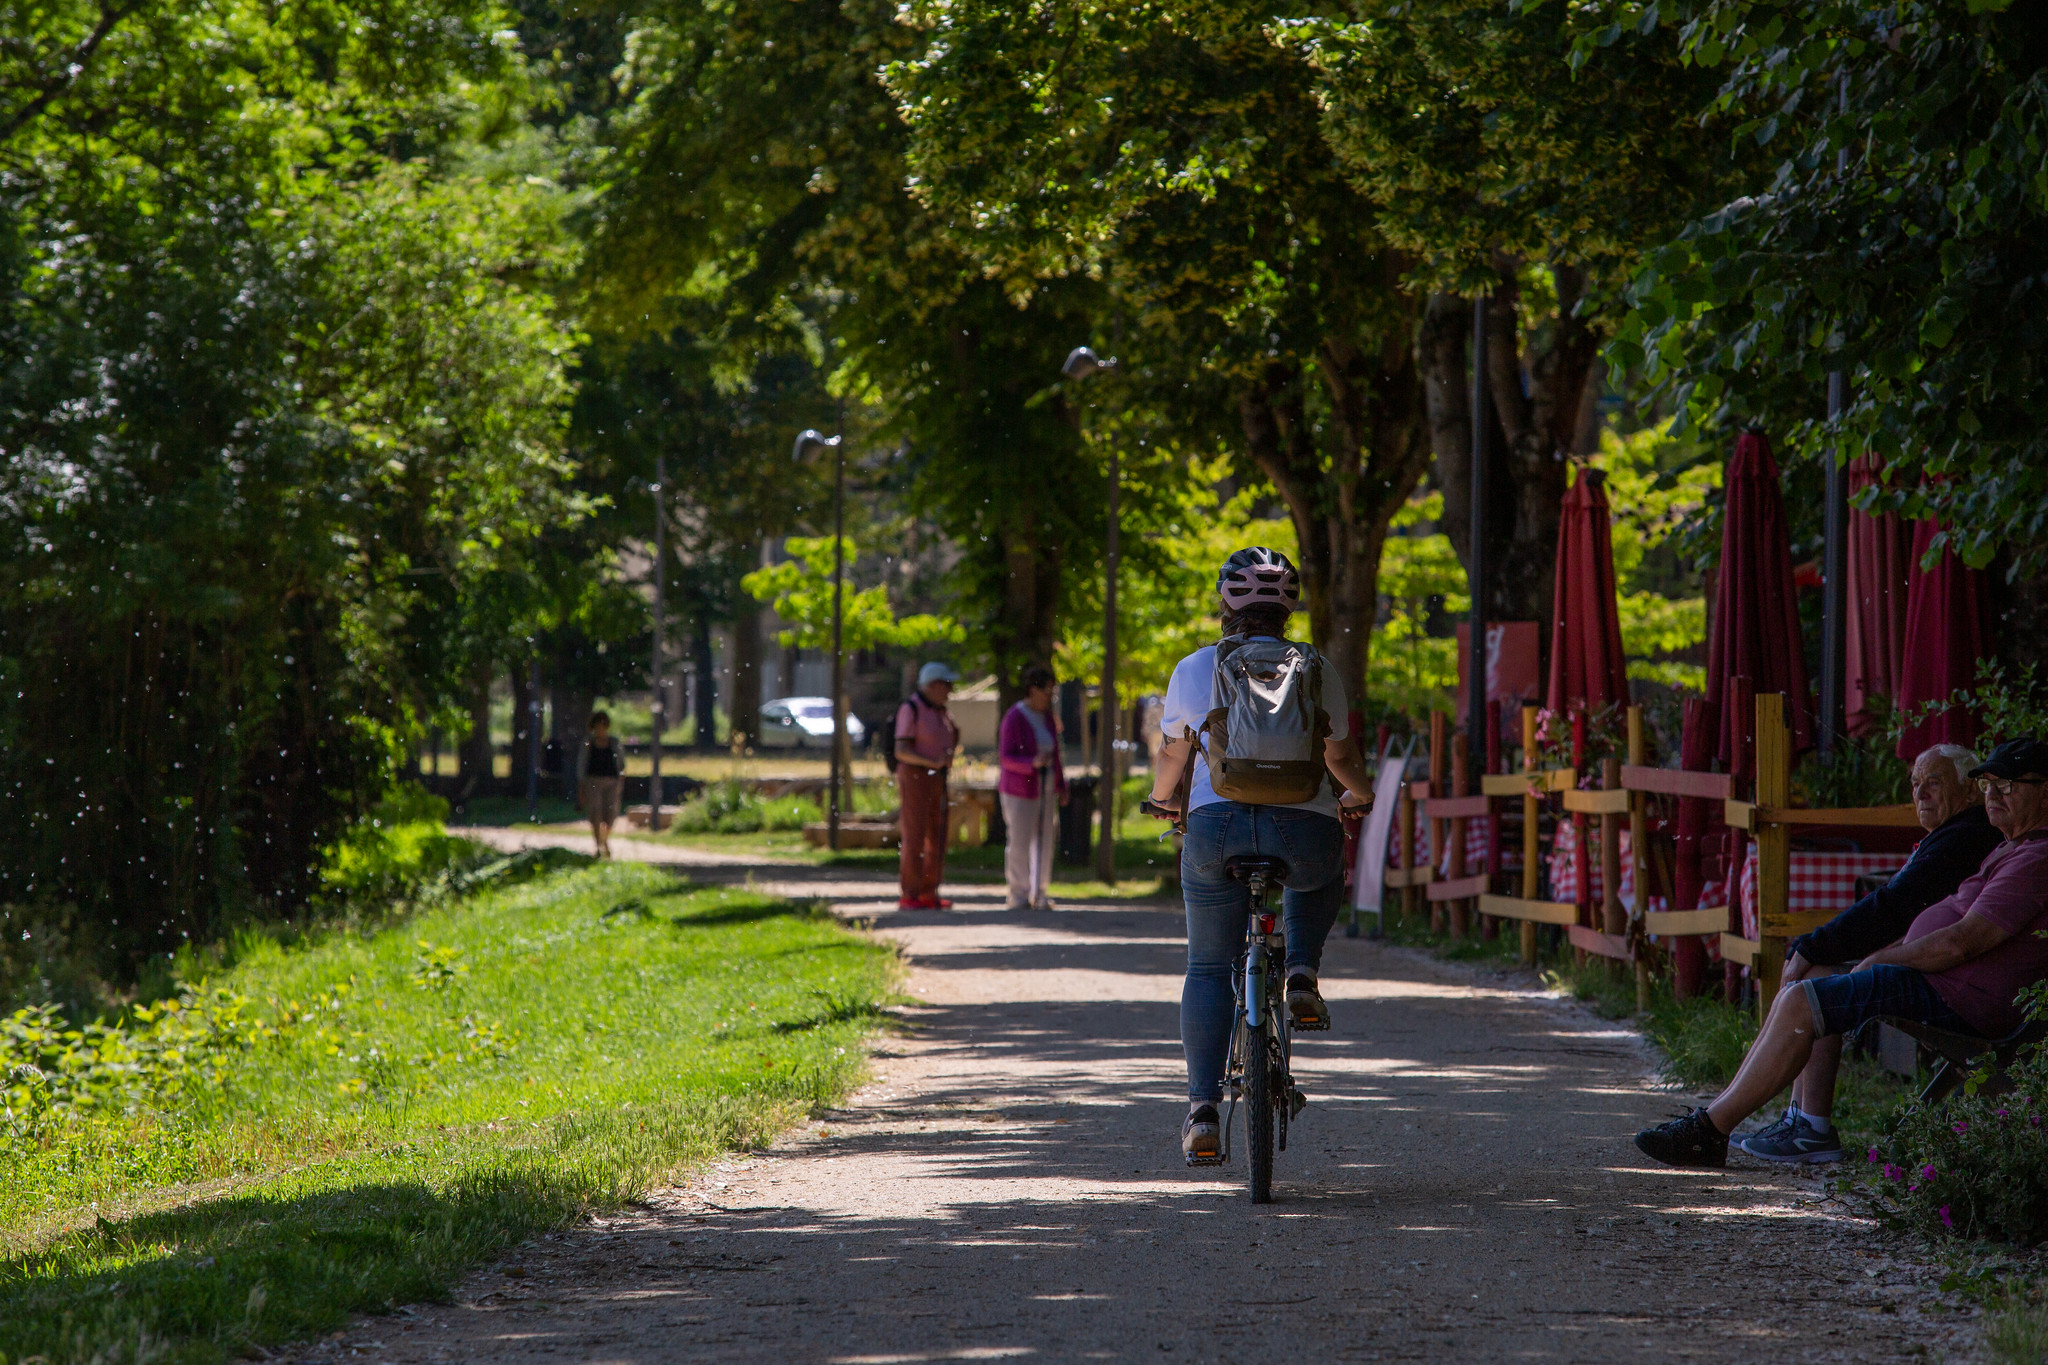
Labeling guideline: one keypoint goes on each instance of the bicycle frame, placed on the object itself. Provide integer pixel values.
(1261, 1017)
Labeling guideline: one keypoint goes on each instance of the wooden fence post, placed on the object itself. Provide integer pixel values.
(1405, 860)
(1531, 807)
(1773, 844)
(1437, 755)
(1639, 854)
(1461, 785)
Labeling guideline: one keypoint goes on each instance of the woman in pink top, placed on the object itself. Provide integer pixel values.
(1032, 788)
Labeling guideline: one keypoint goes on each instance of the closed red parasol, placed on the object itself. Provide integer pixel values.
(1755, 630)
(1586, 662)
(1945, 637)
(1880, 551)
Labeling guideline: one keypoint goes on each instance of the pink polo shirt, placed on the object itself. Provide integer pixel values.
(928, 730)
(2010, 890)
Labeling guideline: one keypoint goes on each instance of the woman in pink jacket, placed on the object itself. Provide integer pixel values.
(1033, 787)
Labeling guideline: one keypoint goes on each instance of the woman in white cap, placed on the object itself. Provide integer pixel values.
(925, 740)
(1259, 590)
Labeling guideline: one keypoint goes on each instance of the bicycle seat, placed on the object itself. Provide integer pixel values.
(1245, 866)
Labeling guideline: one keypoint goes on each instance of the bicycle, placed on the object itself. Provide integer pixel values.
(1262, 1043)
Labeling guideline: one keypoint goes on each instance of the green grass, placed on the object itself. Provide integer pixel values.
(432, 1094)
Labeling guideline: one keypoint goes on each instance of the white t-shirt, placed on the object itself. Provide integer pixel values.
(1188, 704)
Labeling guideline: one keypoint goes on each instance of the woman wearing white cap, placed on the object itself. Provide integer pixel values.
(925, 740)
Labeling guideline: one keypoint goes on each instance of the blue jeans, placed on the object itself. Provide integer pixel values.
(1847, 1000)
(1312, 845)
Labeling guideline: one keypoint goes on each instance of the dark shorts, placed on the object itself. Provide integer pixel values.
(1846, 1002)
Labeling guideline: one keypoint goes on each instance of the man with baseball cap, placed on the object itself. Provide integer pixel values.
(925, 740)
(1959, 967)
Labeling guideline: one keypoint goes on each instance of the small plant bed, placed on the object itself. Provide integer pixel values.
(349, 1124)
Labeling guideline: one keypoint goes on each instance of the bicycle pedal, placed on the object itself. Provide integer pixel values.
(1296, 1102)
(1216, 1160)
(1321, 1025)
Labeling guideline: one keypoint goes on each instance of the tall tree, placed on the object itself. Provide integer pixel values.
(1177, 153)
(762, 162)
(1503, 171)
(1902, 243)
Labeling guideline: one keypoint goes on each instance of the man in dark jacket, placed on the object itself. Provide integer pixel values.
(1959, 838)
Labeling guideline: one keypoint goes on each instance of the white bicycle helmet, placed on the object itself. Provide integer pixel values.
(1258, 577)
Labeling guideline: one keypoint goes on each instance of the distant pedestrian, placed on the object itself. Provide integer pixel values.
(600, 776)
(1032, 788)
(925, 740)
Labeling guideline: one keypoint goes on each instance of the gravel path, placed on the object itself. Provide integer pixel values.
(1462, 1188)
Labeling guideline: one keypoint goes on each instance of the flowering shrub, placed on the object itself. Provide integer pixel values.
(1606, 737)
(1976, 1166)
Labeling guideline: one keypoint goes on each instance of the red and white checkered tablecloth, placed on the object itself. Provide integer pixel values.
(1475, 849)
(1820, 881)
(1564, 872)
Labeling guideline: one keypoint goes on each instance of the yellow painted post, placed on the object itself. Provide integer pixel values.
(1405, 860)
(1773, 845)
(1460, 786)
(1531, 806)
(1639, 854)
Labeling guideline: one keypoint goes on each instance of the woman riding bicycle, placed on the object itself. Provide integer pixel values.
(1259, 590)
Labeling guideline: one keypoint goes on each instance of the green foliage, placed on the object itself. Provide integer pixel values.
(370, 1133)
(1902, 221)
(1413, 671)
(288, 391)
(729, 808)
(1864, 771)
(800, 589)
(1658, 485)
(396, 852)
(2009, 702)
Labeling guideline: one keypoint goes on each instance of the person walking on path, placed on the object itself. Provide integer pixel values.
(925, 740)
(1259, 590)
(600, 778)
(1032, 789)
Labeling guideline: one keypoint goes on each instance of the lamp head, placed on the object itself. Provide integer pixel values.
(808, 438)
(1082, 362)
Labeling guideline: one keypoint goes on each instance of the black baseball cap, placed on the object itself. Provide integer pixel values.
(2015, 758)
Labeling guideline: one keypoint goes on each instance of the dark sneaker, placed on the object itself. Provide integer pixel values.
(1201, 1137)
(1793, 1140)
(1690, 1140)
(1305, 1004)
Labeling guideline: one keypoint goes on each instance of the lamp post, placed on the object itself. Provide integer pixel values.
(657, 711)
(1082, 362)
(533, 734)
(805, 442)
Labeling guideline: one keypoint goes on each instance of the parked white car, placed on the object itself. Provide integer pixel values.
(805, 723)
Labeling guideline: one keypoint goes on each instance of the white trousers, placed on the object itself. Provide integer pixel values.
(1033, 827)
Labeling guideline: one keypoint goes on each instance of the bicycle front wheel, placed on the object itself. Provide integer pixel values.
(1261, 1087)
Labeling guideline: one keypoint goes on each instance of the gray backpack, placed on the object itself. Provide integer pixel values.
(1266, 726)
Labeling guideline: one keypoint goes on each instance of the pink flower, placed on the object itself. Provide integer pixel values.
(1873, 1154)
(1960, 1127)
(1947, 1221)
(2005, 1113)
(1892, 1172)
(1928, 1172)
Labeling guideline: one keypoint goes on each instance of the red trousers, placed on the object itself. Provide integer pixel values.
(923, 829)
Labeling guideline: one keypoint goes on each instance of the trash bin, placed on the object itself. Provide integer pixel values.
(1077, 822)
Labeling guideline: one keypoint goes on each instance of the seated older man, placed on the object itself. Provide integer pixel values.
(1959, 837)
(1959, 967)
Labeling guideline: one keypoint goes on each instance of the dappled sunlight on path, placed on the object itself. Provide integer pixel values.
(1462, 1187)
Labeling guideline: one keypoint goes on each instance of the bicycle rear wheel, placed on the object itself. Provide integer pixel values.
(1261, 1086)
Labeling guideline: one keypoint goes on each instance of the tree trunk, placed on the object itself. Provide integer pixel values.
(744, 706)
(1028, 629)
(707, 683)
(1342, 491)
(1530, 435)
(474, 757)
(522, 725)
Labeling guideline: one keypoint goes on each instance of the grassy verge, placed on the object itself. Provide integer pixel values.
(411, 1102)
(1703, 1039)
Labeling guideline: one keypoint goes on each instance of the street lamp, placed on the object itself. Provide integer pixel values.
(806, 441)
(658, 710)
(1082, 362)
